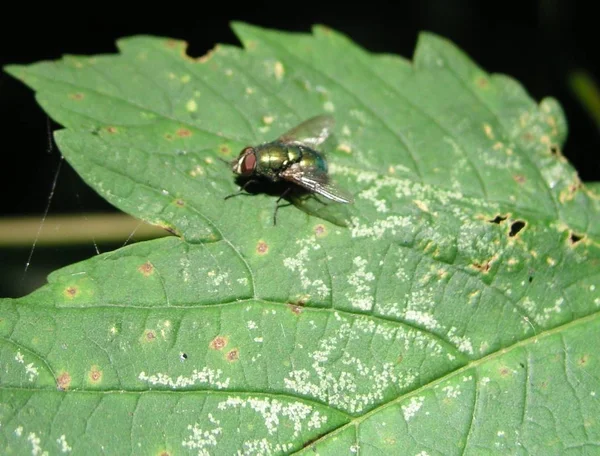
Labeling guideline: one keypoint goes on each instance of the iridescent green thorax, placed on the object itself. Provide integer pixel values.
(274, 157)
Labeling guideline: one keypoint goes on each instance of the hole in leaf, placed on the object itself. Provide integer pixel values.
(498, 219)
(530, 279)
(554, 149)
(516, 226)
(575, 238)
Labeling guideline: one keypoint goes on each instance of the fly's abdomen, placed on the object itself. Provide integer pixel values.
(312, 159)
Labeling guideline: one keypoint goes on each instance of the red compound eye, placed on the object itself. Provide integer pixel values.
(248, 164)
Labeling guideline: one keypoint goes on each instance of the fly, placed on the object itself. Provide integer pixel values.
(293, 157)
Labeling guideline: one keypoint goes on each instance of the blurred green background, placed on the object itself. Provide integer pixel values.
(550, 46)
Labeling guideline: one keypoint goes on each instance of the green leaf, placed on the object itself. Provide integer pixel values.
(456, 313)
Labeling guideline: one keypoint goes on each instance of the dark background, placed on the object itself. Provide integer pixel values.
(540, 43)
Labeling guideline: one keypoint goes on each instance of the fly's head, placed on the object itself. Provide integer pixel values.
(245, 163)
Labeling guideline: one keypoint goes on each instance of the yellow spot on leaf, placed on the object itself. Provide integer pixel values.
(279, 71)
(197, 171)
(421, 205)
(191, 105)
(487, 128)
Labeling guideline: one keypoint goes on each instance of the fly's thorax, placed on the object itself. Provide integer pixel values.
(277, 156)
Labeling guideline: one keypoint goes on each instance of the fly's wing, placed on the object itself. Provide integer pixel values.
(317, 181)
(312, 132)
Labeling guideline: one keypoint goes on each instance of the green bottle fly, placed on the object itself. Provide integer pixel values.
(293, 157)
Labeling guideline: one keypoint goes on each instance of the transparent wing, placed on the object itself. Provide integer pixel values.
(317, 181)
(311, 132)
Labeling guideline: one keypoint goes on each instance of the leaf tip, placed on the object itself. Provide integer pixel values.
(14, 70)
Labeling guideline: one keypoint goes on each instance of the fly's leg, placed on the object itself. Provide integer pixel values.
(287, 190)
(251, 181)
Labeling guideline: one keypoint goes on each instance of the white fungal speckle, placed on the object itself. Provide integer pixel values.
(273, 412)
(451, 391)
(64, 445)
(300, 263)
(36, 447)
(463, 343)
(361, 297)
(30, 369)
(409, 410)
(200, 439)
(205, 376)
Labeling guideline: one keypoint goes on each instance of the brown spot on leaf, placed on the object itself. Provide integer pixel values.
(295, 309)
(112, 130)
(483, 267)
(164, 453)
(76, 96)
(168, 136)
(179, 202)
(320, 230)
(528, 136)
(582, 362)
(149, 335)
(262, 248)
(71, 292)
(218, 343)
(184, 133)
(224, 149)
(63, 381)
(95, 374)
(519, 178)
(504, 371)
(171, 229)
(171, 44)
(233, 355)
(147, 269)
(482, 82)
